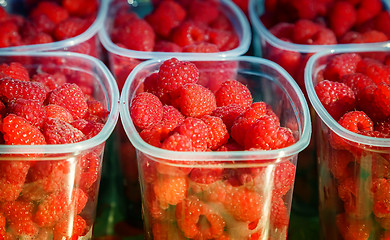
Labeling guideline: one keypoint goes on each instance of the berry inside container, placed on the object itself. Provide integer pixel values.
(349, 90)
(205, 169)
(57, 111)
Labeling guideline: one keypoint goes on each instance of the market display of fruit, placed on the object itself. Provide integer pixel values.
(353, 88)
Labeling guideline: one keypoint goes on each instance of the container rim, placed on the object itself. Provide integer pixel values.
(241, 49)
(69, 42)
(113, 105)
(271, 155)
(260, 29)
(321, 111)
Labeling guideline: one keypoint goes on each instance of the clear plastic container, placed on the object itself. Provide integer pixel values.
(54, 189)
(86, 43)
(267, 82)
(351, 178)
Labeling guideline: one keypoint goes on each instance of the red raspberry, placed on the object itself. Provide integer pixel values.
(171, 117)
(165, 17)
(339, 162)
(123, 17)
(52, 209)
(336, 97)
(218, 135)
(228, 114)
(56, 111)
(80, 7)
(146, 110)
(177, 142)
(381, 190)
(225, 40)
(2, 223)
(70, 27)
(32, 110)
(367, 10)
(213, 74)
(197, 131)
(340, 65)
(173, 74)
(231, 145)
(76, 227)
(139, 31)
(59, 132)
(89, 170)
(80, 199)
(203, 11)
(279, 214)
(383, 127)
(382, 21)
(357, 82)
(289, 60)
(265, 134)
(9, 192)
(187, 33)
(51, 81)
(342, 17)
(40, 23)
(196, 100)
(14, 70)
(222, 22)
(233, 92)
(207, 175)
(370, 36)
(10, 36)
(18, 131)
(90, 129)
(382, 98)
(308, 32)
(166, 46)
(165, 231)
(243, 123)
(375, 70)
(155, 134)
(52, 10)
(188, 215)
(202, 47)
(284, 176)
(39, 38)
(19, 216)
(12, 89)
(71, 97)
(171, 189)
(14, 171)
(352, 228)
(284, 31)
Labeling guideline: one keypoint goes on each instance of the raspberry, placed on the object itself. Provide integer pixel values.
(233, 92)
(218, 133)
(80, 199)
(51, 81)
(187, 33)
(284, 30)
(12, 89)
(9, 192)
(155, 134)
(197, 131)
(171, 189)
(284, 175)
(70, 27)
(375, 70)
(166, 46)
(289, 60)
(89, 169)
(59, 132)
(381, 22)
(207, 175)
(370, 36)
(228, 114)
(31, 110)
(243, 123)
(383, 127)
(188, 216)
(19, 216)
(56, 111)
(10, 36)
(381, 207)
(201, 48)
(203, 11)
(14, 171)
(308, 32)
(14, 70)
(196, 100)
(139, 31)
(76, 227)
(51, 210)
(52, 10)
(90, 128)
(165, 17)
(213, 74)
(222, 22)
(382, 96)
(173, 74)
(2, 224)
(71, 97)
(340, 65)
(351, 228)
(279, 214)
(18, 131)
(40, 23)
(39, 38)
(146, 110)
(357, 82)
(165, 231)
(177, 142)
(265, 134)
(342, 17)
(231, 145)
(171, 117)
(80, 7)
(348, 193)
(339, 162)
(336, 97)
(367, 10)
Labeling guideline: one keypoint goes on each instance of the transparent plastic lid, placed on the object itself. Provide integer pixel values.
(234, 13)
(295, 97)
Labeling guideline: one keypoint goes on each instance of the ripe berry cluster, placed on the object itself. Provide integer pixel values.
(209, 199)
(355, 90)
(47, 196)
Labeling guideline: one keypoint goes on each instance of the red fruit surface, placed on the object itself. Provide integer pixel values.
(279, 214)
(51, 81)
(218, 135)
(233, 92)
(146, 110)
(196, 100)
(207, 175)
(31, 110)
(51, 210)
(71, 97)
(10, 36)
(89, 169)
(201, 48)
(19, 217)
(342, 17)
(52, 10)
(63, 228)
(203, 11)
(14, 70)
(11, 89)
(59, 132)
(382, 98)
(56, 111)
(18, 131)
(351, 228)
(187, 33)
(80, 7)
(367, 10)
(197, 131)
(228, 114)
(340, 65)
(177, 142)
(171, 189)
(70, 27)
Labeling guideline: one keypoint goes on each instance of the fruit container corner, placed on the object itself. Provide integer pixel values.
(56, 187)
(352, 165)
(267, 82)
(86, 42)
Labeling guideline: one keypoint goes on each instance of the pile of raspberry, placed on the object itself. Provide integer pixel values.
(47, 196)
(355, 90)
(209, 199)
(46, 21)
